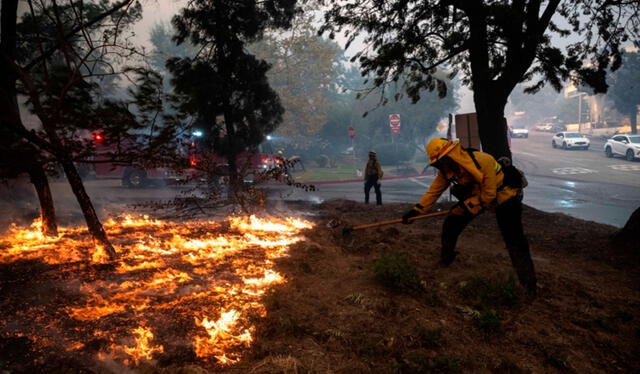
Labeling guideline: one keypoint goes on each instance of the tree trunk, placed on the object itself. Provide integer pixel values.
(93, 223)
(8, 79)
(234, 180)
(631, 228)
(36, 171)
(47, 209)
(489, 97)
(491, 123)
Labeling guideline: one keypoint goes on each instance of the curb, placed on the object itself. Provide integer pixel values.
(362, 180)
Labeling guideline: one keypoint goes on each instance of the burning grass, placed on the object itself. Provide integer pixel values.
(178, 289)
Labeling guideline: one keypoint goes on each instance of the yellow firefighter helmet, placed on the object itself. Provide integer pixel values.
(438, 148)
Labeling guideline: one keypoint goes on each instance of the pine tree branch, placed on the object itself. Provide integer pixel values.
(49, 52)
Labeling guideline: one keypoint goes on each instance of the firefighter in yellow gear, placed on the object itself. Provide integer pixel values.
(372, 175)
(477, 180)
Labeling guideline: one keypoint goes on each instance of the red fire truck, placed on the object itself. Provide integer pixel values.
(137, 176)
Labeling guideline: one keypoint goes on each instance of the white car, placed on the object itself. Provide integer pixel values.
(570, 140)
(519, 133)
(543, 127)
(627, 146)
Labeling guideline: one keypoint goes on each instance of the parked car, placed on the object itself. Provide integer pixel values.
(543, 126)
(520, 133)
(627, 146)
(570, 140)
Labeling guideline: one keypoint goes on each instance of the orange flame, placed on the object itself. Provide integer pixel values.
(221, 334)
(143, 349)
(166, 272)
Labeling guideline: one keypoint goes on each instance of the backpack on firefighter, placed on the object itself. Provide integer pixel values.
(513, 176)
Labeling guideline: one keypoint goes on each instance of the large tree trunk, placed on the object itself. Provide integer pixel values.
(630, 230)
(489, 95)
(36, 171)
(489, 98)
(492, 124)
(633, 116)
(47, 209)
(8, 79)
(225, 59)
(93, 223)
(29, 162)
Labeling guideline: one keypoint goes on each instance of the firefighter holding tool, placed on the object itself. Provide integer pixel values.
(480, 183)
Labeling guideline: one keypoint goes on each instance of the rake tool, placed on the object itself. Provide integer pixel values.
(347, 236)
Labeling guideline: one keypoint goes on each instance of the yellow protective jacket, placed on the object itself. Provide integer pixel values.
(487, 189)
(373, 167)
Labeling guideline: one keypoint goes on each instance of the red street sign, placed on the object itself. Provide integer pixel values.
(352, 132)
(394, 123)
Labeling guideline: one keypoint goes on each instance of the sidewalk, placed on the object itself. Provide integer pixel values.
(395, 177)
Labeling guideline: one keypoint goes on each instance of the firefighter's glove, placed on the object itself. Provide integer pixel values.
(410, 214)
(471, 207)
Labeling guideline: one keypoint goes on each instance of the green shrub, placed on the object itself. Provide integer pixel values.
(485, 293)
(489, 322)
(395, 272)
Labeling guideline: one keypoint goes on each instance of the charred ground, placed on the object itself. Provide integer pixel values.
(384, 304)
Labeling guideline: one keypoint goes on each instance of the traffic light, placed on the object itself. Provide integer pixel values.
(97, 137)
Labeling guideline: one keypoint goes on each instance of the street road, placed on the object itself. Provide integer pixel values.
(583, 184)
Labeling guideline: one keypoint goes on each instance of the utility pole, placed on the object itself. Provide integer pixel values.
(579, 95)
(580, 112)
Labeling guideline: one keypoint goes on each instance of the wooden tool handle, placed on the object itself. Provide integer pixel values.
(399, 220)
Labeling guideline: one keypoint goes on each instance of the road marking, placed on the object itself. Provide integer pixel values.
(414, 180)
(572, 170)
(625, 167)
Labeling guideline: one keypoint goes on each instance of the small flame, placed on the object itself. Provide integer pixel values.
(100, 255)
(143, 350)
(221, 334)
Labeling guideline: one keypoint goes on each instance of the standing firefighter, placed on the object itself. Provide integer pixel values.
(479, 182)
(372, 175)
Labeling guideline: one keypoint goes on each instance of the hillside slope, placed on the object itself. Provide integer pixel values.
(335, 316)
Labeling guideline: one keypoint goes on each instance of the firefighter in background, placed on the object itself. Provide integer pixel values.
(480, 183)
(372, 175)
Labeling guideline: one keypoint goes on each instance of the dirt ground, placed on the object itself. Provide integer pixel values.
(385, 305)
(334, 316)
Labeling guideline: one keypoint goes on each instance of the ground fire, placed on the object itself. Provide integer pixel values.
(193, 285)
